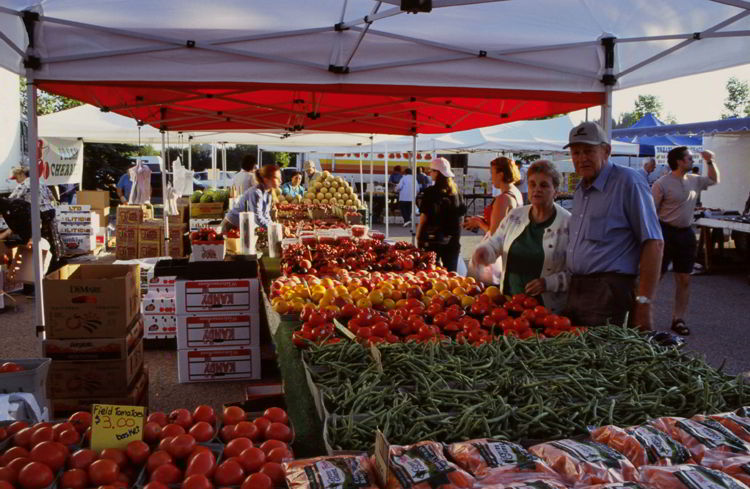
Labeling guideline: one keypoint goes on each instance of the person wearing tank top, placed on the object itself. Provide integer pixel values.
(505, 175)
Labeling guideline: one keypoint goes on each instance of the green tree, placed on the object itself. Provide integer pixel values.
(46, 103)
(646, 104)
(282, 159)
(737, 103)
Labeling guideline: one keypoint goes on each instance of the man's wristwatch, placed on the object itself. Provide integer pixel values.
(642, 299)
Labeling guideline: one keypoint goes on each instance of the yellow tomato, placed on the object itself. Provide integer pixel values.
(492, 291)
(364, 302)
(440, 286)
(467, 301)
(376, 297)
(389, 304)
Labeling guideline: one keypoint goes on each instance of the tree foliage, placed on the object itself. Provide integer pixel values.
(643, 105)
(282, 159)
(46, 103)
(737, 103)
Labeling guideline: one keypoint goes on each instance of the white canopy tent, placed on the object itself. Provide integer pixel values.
(357, 65)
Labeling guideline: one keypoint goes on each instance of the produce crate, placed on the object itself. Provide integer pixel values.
(332, 420)
(33, 379)
(314, 389)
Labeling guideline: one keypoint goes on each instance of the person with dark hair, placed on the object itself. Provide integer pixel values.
(505, 175)
(615, 244)
(423, 180)
(442, 210)
(125, 184)
(405, 189)
(395, 177)
(245, 178)
(294, 187)
(258, 199)
(532, 242)
(675, 196)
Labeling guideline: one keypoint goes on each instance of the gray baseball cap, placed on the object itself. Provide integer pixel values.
(587, 133)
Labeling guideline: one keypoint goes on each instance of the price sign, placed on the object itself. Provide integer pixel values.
(115, 426)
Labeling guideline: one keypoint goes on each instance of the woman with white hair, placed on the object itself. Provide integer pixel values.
(441, 212)
(532, 241)
(309, 172)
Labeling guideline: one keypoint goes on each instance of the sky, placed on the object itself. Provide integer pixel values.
(695, 98)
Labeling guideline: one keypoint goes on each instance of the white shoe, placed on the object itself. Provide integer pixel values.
(406, 224)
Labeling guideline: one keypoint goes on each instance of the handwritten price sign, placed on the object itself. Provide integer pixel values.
(116, 426)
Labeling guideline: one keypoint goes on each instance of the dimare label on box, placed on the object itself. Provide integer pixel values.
(224, 296)
(217, 330)
(218, 364)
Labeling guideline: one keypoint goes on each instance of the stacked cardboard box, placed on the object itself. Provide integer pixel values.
(94, 336)
(78, 226)
(151, 238)
(158, 307)
(99, 202)
(218, 329)
(129, 217)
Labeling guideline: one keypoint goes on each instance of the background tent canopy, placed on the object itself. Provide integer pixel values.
(648, 143)
(360, 65)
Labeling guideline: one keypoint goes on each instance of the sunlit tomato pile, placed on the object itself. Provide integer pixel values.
(348, 254)
(200, 424)
(10, 367)
(232, 233)
(485, 318)
(205, 234)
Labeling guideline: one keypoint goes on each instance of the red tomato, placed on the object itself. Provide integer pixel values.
(49, 453)
(60, 427)
(233, 415)
(274, 471)
(8, 474)
(23, 437)
(159, 418)
(181, 417)
(172, 430)
(252, 459)
(17, 464)
(202, 431)
(69, 437)
(166, 474)
(164, 443)
(279, 431)
(13, 453)
(81, 420)
(198, 449)
(35, 475)
(181, 446)
(16, 426)
(226, 433)
(279, 455)
(10, 367)
(73, 479)
(120, 458)
(6, 485)
(257, 481)
(138, 452)
(203, 463)
(155, 485)
(269, 445)
(563, 322)
(197, 481)
(237, 446)
(246, 429)
(151, 431)
(103, 471)
(229, 473)
(158, 458)
(204, 413)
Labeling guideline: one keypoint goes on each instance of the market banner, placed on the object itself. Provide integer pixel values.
(60, 161)
(661, 151)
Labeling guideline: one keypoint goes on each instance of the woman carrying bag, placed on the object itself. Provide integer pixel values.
(442, 209)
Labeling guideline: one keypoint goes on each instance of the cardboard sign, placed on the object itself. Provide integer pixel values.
(344, 330)
(382, 457)
(115, 426)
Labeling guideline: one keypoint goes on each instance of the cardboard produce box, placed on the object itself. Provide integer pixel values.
(151, 231)
(137, 395)
(133, 214)
(94, 378)
(95, 348)
(91, 301)
(160, 326)
(126, 252)
(97, 199)
(218, 364)
(149, 250)
(78, 244)
(177, 231)
(126, 234)
(177, 249)
(207, 250)
(209, 210)
(225, 296)
(218, 330)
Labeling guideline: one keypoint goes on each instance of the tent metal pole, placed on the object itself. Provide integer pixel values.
(387, 176)
(372, 182)
(36, 220)
(190, 152)
(607, 111)
(361, 182)
(414, 188)
(224, 157)
(165, 215)
(213, 164)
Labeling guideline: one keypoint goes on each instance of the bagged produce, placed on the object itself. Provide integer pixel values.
(687, 476)
(701, 437)
(335, 472)
(737, 467)
(738, 422)
(617, 485)
(423, 466)
(643, 445)
(484, 458)
(585, 462)
(525, 480)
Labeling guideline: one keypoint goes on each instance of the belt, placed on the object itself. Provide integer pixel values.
(674, 227)
(599, 275)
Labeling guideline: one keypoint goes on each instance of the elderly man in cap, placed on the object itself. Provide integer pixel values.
(615, 245)
(309, 173)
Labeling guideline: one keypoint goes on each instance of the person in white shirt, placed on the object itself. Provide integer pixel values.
(309, 172)
(245, 178)
(405, 189)
(675, 195)
(648, 169)
(523, 184)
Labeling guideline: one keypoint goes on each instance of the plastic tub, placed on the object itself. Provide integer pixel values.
(32, 379)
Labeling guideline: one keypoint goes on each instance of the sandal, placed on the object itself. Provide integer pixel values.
(679, 327)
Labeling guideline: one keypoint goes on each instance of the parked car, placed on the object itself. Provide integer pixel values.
(224, 180)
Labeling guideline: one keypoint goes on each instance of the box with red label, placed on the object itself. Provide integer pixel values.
(160, 326)
(78, 244)
(126, 234)
(126, 252)
(162, 286)
(217, 364)
(217, 296)
(94, 378)
(151, 231)
(218, 330)
(156, 305)
(149, 250)
(176, 249)
(133, 214)
(177, 231)
(207, 251)
(91, 301)
(94, 348)
(137, 395)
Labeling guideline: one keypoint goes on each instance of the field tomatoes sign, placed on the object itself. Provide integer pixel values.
(115, 426)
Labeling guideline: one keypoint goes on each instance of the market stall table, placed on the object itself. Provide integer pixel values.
(707, 224)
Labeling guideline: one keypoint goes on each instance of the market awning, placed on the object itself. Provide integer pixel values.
(709, 127)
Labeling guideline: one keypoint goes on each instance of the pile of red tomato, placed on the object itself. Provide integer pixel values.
(205, 234)
(10, 367)
(171, 452)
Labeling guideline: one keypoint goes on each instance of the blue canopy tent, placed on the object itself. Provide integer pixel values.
(639, 133)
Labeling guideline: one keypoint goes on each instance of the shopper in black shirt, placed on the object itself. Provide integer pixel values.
(442, 210)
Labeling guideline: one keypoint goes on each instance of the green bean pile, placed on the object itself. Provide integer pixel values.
(520, 390)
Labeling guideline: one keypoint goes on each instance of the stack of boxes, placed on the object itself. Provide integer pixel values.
(140, 236)
(94, 336)
(218, 329)
(178, 230)
(98, 200)
(151, 238)
(129, 217)
(78, 226)
(158, 307)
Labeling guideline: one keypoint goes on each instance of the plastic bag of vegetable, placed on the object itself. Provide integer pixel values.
(334, 472)
(737, 467)
(701, 437)
(643, 445)
(688, 476)
(423, 466)
(486, 458)
(585, 462)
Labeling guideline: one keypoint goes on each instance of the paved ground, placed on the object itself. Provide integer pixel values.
(717, 317)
